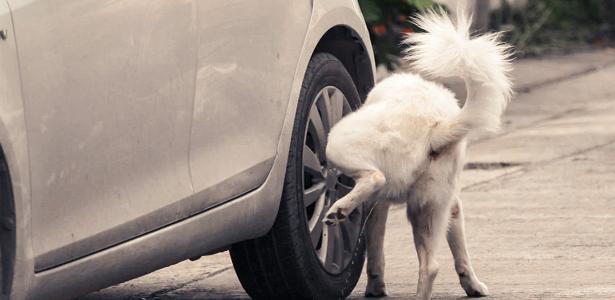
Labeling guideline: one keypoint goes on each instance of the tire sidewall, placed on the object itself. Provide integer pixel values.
(327, 71)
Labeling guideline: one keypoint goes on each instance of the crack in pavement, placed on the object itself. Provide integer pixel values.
(533, 166)
(490, 165)
(176, 287)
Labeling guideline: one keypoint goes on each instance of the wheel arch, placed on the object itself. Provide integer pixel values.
(7, 227)
(346, 45)
(17, 265)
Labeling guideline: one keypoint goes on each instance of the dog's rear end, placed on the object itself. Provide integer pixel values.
(407, 143)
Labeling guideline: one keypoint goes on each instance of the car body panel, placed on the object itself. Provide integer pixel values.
(238, 112)
(250, 215)
(169, 245)
(108, 109)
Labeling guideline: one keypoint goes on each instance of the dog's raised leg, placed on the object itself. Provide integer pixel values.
(457, 242)
(428, 228)
(374, 233)
(366, 183)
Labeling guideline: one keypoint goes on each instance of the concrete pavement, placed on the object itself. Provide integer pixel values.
(539, 199)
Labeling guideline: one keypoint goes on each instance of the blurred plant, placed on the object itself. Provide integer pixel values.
(555, 25)
(387, 21)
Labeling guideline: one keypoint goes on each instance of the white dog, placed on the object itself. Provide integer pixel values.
(407, 144)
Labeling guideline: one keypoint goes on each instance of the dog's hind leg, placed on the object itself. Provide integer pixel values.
(428, 228)
(367, 182)
(374, 234)
(457, 242)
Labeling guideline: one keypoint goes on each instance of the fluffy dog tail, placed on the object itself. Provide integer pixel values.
(445, 50)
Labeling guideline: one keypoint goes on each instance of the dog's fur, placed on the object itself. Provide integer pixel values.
(407, 144)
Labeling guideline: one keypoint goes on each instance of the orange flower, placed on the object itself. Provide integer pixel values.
(379, 29)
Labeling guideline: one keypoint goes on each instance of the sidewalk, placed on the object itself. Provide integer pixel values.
(539, 199)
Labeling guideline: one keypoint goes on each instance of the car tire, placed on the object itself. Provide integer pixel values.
(286, 263)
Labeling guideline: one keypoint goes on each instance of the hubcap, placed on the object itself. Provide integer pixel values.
(323, 184)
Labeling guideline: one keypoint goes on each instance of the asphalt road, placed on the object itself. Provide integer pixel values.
(539, 199)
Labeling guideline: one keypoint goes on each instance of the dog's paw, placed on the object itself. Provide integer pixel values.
(475, 288)
(375, 289)
(334, 218)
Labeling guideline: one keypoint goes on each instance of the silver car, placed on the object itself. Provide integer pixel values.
(139, 133)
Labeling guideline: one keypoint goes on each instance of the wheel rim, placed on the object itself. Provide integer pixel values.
(323, 185)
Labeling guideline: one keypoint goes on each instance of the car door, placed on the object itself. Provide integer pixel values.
(108, 89)
(248, 53)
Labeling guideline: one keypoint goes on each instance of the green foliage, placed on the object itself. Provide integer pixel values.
(556, 25)
(387, 21)
(542, 26)
(420, 4)
(371, 11)
(568, 15)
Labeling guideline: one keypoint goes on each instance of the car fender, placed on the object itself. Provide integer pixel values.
(13, 140)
